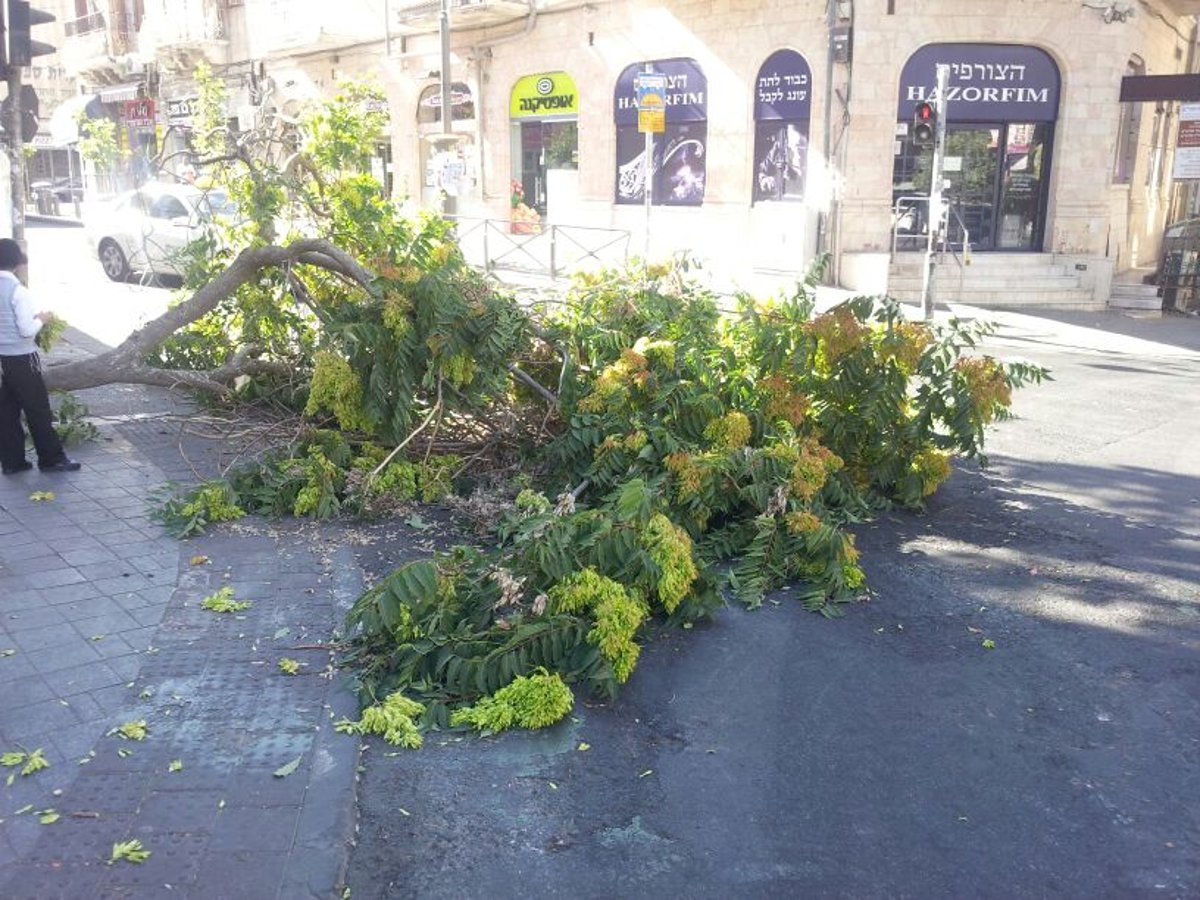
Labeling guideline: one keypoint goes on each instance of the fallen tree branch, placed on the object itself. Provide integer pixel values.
(125, 362)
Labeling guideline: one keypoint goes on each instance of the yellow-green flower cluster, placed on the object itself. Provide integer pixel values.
(730, 431)
(671, 551)
(397, 310)
(614, 382)
(905, 344)
(659, 354)
(336, 388)
(320, 473)
(801, 522)
(812, 464)
(617, 616)
(987, 385)
(532, 502)
(213, 503)
(394, 718)
(838, 332)
(689, 476)
(932, 467)
(783, 400)
(458, 369)
(530, 701)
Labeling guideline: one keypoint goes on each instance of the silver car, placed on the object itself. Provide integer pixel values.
(146, 230)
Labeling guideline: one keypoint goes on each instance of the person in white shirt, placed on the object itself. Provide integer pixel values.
(21, 386)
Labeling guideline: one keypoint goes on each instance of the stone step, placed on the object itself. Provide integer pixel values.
(1135, 296)
(972, 282)
(1058, 299)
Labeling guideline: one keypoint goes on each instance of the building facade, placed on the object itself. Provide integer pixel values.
(787, 125)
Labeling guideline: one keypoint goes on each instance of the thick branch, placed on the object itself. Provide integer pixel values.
(124, 363)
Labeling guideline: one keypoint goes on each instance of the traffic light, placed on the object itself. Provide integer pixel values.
(924, 127)
(21, 19)
(29, 113)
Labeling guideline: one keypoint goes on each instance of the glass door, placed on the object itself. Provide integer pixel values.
(1021, 194)
(971, 167)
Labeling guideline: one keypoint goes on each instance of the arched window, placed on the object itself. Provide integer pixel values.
(782, 107)
(678, 155)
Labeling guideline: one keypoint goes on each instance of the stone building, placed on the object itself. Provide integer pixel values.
(787, 124)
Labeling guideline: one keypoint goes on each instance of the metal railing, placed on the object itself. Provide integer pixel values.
(907, 222)
(906, 214)
(550, 250)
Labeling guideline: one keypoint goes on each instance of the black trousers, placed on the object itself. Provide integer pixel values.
(22, 390)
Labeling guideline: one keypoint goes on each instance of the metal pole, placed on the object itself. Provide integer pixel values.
(387, 29)
(936, 213)
(451, 205)
(647, 180)
(447, 109)
(16, 154)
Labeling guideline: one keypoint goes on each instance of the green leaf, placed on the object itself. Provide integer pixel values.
(129, 851)
(288, 768)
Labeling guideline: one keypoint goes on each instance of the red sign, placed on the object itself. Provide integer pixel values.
(139, 113)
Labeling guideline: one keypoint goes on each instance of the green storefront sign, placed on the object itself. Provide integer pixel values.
(544, 96)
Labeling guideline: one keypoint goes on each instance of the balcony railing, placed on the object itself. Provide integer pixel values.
(84, 24)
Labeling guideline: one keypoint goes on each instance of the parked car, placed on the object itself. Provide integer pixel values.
(146, 230)
(64, 190)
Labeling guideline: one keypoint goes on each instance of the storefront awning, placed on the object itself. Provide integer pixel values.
(119, 93)
(64, 129)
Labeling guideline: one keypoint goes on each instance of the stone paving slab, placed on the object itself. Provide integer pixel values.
(101, 612)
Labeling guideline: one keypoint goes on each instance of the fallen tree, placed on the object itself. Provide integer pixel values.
(660, 449)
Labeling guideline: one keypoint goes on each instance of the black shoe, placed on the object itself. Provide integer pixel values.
(24, 466)
(63, 465)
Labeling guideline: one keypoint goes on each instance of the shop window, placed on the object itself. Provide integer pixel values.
(782, 108)
(678, 155)
(429, 105)
(1127, 132)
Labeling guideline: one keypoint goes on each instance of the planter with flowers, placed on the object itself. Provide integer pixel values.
(523, 219)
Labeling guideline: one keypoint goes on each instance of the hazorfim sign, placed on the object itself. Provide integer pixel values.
(988, 82)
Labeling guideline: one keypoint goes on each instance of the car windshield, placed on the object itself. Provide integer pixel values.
(214, 203)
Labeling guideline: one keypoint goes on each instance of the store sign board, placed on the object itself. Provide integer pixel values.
(783, 91)
(684, 99)
(180, 110)
(544, 95)
(139, 113)
(988, 82)
(1187, 144)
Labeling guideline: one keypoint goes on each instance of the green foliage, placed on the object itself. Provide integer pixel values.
(98, 140)
(394, 718)
(222, 601)
(186, 513)
(343, 132)
(336, 387)
(71, 422)
(319, 476)
(29, 762)
(530, 701)
(50, 332)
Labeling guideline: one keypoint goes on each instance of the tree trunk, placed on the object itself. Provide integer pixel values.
(126, 364)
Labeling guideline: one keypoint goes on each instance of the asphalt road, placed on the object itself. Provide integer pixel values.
(65, 276)
(889, 753)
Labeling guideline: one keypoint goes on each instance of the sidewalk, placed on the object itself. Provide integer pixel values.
(100, 625)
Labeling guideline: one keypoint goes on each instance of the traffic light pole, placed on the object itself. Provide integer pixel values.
(16, 152)
(937, 214)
